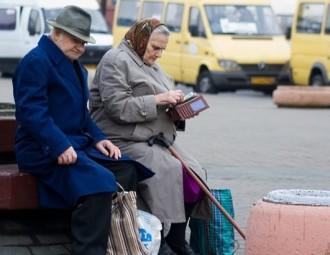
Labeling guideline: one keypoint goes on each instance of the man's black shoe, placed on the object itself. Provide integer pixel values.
(165, 249)
(183, 250)
(188, 250)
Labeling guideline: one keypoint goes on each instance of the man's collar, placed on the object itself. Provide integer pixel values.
(51, 49)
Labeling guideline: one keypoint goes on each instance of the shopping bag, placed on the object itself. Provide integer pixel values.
(124, 238)
(216, 235)
(149, 230)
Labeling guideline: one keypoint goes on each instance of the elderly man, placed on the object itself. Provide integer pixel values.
(57, 141)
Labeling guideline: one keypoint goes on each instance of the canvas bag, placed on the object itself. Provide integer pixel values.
(124, 238)
(216, 235)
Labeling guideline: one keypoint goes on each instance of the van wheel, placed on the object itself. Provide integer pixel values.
(205, 83)
(317, 80)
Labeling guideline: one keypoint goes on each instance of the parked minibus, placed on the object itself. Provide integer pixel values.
(215, 44)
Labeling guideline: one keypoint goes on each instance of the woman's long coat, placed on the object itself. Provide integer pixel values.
(51, 111)
(122, 102)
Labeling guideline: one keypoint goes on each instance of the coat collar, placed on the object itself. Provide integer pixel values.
(63, 64)
(54, 53)
(136, 58)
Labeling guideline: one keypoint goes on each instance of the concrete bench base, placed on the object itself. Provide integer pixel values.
(17, 190)
(294, 96)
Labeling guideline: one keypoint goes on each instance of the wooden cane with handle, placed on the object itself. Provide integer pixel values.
(160, 139)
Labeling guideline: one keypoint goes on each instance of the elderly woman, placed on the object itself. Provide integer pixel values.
(129, 98)
(57, 141)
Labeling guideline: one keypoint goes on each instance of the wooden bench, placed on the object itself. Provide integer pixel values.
(17, 190)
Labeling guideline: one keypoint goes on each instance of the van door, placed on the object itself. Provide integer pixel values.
(171, 60)
(327, 42)
(9, 34)
(34, 28)
(126, 14)
(196, 46)
(308, 46)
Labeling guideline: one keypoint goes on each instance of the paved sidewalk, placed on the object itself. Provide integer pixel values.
(34, 232)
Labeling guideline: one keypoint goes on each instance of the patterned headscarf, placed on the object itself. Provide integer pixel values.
(138, 35)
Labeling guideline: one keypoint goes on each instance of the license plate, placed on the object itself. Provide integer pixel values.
(262, 80)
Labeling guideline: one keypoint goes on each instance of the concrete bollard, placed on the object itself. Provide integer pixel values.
(302, 96)
(290, 222)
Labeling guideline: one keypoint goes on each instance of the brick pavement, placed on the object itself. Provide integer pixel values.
(34, 232)
(250, 146)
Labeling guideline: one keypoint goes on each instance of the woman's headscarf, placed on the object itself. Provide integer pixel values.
(138, 35)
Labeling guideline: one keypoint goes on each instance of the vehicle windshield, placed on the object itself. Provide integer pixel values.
(98, 22)
(242, 20)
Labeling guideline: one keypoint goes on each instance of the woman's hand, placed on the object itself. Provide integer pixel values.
(169, 97)
(108, 149)
(68, 157)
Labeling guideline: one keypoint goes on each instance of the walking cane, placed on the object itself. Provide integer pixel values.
(161, 140)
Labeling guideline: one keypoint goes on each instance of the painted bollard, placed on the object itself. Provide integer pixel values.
(290, 222)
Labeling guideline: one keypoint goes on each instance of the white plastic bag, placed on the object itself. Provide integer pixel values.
(149, 231)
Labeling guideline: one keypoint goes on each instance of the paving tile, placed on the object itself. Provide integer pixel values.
(50, 250)
(53, 239)
(14, 240)
(14, 251)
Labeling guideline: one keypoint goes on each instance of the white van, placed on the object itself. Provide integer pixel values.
(22, 22)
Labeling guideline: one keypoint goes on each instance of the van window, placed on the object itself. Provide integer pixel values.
(7, 19)
(34, 25)
(196, 27)
(327, 27)
(242, 20)
(310, 18)
(173, 17)
(152, 9)
(98, 22)
(127, 13)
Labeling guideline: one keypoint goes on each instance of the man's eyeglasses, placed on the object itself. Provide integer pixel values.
(76, 40)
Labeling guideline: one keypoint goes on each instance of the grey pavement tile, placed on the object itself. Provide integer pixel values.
(50, 250)
(14, 251)
(10, 227)
(15, 240)
(53, 239)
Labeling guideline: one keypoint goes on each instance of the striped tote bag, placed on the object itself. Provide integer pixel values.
(124, 238)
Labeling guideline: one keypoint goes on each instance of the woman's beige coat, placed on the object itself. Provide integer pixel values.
(122, 102)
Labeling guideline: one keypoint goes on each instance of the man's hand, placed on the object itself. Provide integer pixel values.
(68, 157)
(169, 97)
(108, 149)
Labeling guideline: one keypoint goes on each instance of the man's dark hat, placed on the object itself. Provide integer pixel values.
(75, 21)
